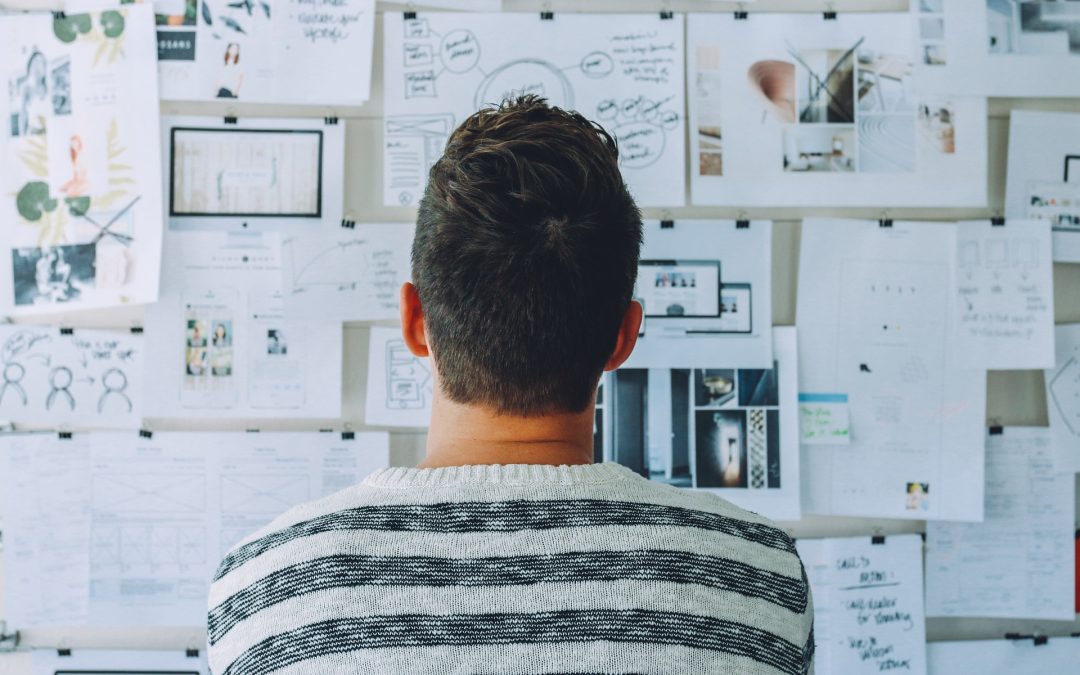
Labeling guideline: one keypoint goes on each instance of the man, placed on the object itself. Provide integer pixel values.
(507, 550)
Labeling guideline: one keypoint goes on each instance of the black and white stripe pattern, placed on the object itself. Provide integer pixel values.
(513, 569)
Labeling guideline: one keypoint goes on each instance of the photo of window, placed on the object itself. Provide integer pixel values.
(1044, 27)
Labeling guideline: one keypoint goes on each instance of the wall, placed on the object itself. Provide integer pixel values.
(1015, 398)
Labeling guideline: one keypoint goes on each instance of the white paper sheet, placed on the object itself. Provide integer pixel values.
(81, 204)
(46, 516)
(1008, 48)
(119, 662)
(623, 70)
(868, 604)
(874, 317)
(222, 344)
(87, 378)
(780, 116)
(255, 174)
(470, 5)
(1004, 657)
(1018, 563)
(1063, 398)
(1044, 175)
(399, 385)
(147, 520)
(732, 431)
(346, 274)
(689, 320)
(1005, 284)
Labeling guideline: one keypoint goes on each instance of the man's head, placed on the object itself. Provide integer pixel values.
(524, 261)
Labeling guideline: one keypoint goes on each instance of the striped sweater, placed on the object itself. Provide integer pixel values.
(512, 569)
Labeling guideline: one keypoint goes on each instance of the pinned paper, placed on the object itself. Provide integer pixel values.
(824, 419)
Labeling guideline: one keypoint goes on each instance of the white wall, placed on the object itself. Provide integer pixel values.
(1015, 398)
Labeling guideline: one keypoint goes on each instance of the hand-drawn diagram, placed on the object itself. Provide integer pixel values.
(1063, 389)
(627, 75)
(263, 493)
(408, 380)
(78, 377)
(150, 492)
(156, 544)
(399, 385)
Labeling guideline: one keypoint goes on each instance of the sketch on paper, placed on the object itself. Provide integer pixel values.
(86, 377)
(626, 75)
(81, 169)
(399, 385)
(1063, 398)
(408, 380)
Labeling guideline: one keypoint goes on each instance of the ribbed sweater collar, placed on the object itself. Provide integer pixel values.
(498, 474)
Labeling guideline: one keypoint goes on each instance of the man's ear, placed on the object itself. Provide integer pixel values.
(628, 335)
(412, 321)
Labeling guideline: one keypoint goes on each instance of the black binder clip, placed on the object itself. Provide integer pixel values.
(742, 224)
(1039, 640)
(667, 224)
(146, 433)
(251, 431)
(409, 16)
(829, 15)
(997, 430)
(63, 651)
(348, 435)
(64, 435)
(136, 330)
(877, 539)
(330, 121)
(67, 331)
(997, 221)
(547, 16)
(885, 222)
(348, 224)
(230, 119)
(667, 14)
(8, 641)
(191, 653)
(59, 15)
(742, 15)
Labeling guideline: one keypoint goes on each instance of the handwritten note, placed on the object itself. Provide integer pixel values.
(1005, 295)
(868, 604)
(824, 419)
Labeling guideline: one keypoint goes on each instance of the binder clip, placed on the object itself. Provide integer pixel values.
(9, 642)
(885, 222)
(877, 539)
(146, 433)
(547, 16)
(741, 14)
(667, 224)
(251, 431)
(348, 435)
(830, 15)
(67, 331)
(230, 119)
(348, 223)
(997, 221)
(666, 14)
(191, 653)
(63, 651)
(996, 430)
(136, 330)
(409, 16)
(64, 435)
(330, 121)
(59, 15)
(742, 224)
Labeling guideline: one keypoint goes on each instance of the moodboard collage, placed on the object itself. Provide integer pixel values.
(141, 176)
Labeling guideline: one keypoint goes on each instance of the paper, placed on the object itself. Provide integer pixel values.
(706, 289)
(346, 274)
(868, 604)
(874, 318)
(119, 662)
(732, 431)
(793, 110)
(1044, 175)
(1004, 657)
(221, 340)
(1005, 283)
(149, 519)
(824, 419)
(45, 499)
(256, 173)
(85, 378)
(623, 70)
(80, 169)
(1004, 48)
(1063, 399)
(1018, 563)
(399, 385)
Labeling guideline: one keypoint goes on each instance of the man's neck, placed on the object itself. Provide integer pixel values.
(461, 435)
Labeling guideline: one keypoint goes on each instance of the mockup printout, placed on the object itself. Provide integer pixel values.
(1005, 288)
(85, 378)
(794, 110)
(119, 662)
(706, 289)
(223, 345)
(253, 174)
(1043, 179)
(80, 169)
(1063, 399)
(868, 604)
(728, 430)
(263, 51)
(623, 70)
(1003, 48)
(399, 385)
(1018, 562)
(346, 274)
(875, 312)
(151, 518)
(1004, 657)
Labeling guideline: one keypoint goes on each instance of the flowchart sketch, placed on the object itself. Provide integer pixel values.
(399, 389)
(90, 378)
(346, 274)
(1063, 398)
(624, 71)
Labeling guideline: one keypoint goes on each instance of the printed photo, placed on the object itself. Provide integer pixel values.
(886, 143)
(720, 451)
(53, 274)
(774, 82)
(937, 130)
(713, 388)
(759, 388)
(275, 342)
(28, 90)
(918, 497)
(221, 348)
(195, 354)
(1044, 27)
(825, 82)
(819, 148)
(60, 80)
(231, 77)
(711, 151)
(885, 82)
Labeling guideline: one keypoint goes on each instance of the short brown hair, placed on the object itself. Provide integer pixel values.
(525, 258)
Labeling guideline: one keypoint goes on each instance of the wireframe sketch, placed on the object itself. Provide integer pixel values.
(257, 493)
(408, 380)
(150, 492)
(623, 71)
